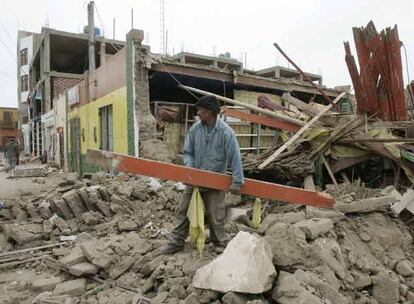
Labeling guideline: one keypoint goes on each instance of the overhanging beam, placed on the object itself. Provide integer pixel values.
(67, 75)
(261, 120)
(207, 179)
(241, 79)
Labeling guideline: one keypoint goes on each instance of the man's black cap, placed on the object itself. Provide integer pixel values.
(210, 103)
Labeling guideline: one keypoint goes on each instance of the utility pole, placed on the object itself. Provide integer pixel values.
(91, 36)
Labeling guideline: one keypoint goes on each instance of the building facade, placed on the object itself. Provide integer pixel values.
(8, 125)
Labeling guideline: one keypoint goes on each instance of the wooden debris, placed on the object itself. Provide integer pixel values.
(300, 132)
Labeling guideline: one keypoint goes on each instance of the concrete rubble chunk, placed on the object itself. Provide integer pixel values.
(23, 234)
(46, 284)
(328, 252)
(288, 244)
(119, 268)
(233, 298)
(325, 290)
(366, 205)
(315, 227)
(361, 280)
(76, 256)
(285, 218)
(19, 213)
(92, 218)
(402, 202)
(192, 298)
(404, 268)
(74, 201)
(83, 269)
(177, 292)
(63, 209)
(288, 290)
(104, 208)
(160, 298)
(245, 266)
(98, 258)
(386, 288)
(72, 288)
(335, 216)
(127, 225)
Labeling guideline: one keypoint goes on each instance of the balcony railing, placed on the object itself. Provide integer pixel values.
(8, 124)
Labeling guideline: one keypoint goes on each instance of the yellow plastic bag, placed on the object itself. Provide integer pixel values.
(257, 213)
(195, 214)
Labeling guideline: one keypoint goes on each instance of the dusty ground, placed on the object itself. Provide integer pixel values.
(122, 221)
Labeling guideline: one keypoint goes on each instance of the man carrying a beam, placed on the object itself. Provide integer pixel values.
(210, 145)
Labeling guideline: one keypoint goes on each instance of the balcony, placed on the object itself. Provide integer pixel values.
(8, 124)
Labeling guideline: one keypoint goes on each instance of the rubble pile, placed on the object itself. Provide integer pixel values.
(102, 205)
(298, 255)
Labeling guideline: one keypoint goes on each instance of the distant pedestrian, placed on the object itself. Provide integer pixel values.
(11, 151)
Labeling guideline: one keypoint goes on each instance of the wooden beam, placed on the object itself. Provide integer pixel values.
(299, 133)
(67, 75)
(245, 105)
(331, 175)
(241, 79)
(261, 120)
(208, 179)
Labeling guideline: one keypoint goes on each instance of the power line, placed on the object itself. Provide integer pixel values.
(104, 27)
(7, 32)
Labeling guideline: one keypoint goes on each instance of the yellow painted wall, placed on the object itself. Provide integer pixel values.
(89, 119)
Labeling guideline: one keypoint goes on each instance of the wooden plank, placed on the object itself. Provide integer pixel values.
(245, 105)
(260, 119)
(300, 132)
(304, 75)
(241, 79)
(208, 179)
(333, 136)
(331, 175)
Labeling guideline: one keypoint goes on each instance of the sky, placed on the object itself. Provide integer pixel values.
(311, 32)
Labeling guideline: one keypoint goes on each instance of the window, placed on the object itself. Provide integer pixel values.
(105, 114)
(24, 83)
(24, 59)
(7, 116)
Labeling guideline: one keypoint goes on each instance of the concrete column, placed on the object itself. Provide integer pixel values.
(144, 121)
(91, 36)
(38, 138)
(47, 99)
(277, 72)
(103, 53)
(32, 127)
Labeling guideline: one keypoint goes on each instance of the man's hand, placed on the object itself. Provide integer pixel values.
(235, 188)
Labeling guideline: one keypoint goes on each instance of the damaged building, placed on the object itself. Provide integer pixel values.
(133, 96)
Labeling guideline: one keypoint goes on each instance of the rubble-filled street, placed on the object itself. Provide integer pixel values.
(206, 152)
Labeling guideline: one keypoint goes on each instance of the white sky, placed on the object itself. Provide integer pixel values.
(310, 31)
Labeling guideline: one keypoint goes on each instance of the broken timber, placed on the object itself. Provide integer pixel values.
(261, 120)
(299, 133)
(208, 179)
(244, 105)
